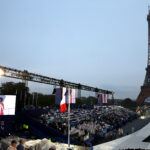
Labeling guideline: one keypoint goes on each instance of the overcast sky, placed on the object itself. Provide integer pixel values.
(100, 43)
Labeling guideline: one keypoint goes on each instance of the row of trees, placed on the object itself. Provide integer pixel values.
(24, 97)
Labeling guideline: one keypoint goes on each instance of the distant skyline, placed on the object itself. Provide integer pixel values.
(98, 43)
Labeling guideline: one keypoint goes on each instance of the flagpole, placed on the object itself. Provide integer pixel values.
(24, 98)
(68, 119)
(113, 101)
(33, 99)
(36, 100)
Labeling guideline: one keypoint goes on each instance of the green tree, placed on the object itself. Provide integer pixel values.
(128, 103)
(46, 100)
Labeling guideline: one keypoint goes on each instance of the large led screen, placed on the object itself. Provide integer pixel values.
(7, 104)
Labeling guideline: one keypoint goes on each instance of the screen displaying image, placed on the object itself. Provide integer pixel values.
(7, 104)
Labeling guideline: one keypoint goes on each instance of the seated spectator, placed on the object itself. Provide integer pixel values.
(13, 145)
(20, 146)
(96, 121)
(52, 148)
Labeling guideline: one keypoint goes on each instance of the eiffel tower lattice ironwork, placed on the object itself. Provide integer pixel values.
(145, 89)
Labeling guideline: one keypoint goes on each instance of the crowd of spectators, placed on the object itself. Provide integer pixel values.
(15, 143)
(90, 125)
(15, 146)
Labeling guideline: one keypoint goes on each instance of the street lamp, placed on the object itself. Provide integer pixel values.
(2, 72)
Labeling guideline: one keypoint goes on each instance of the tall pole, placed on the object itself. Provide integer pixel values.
(68, 117)
(79, 93)
(36, 100)
(33, 99)
(113, 100)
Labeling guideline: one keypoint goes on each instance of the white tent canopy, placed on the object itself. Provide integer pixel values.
(134, 140)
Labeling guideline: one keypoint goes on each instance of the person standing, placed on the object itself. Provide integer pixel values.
(20, 146)
(13, 145)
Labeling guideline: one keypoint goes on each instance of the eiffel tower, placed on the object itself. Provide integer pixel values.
(145, 89)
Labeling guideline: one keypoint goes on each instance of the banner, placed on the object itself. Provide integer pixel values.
(102, 98)
(58, 96)
(69, 94)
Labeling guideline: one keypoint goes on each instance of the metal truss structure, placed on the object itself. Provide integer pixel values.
(26, 76)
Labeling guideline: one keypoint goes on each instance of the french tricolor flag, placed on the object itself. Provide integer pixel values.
(102, 98)
(63, 106)
(64, 96)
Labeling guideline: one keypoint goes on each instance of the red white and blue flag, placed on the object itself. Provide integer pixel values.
(105, 98)
(63, 106)
(99, 98)
(63, 96)
(70, 96)
(102, 98)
